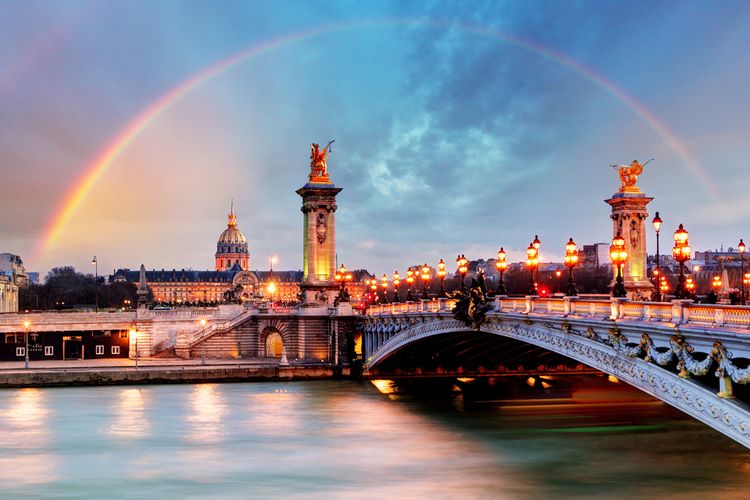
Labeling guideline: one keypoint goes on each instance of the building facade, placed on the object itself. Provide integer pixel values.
(12, 276)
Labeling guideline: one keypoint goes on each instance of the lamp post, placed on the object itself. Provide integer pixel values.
(571, 261)
(537, 244)
(501, 265)
(746, 280)
(681, 253)
(619, 257)
(374, 290)
(409, 283)
(134, 336)
(532, 262)
(741, 247)
(384, 285)
(203, 344)
(396, 283)
(690, 287)
(657, 272)
(463, 268)
(441, 275)
(425, 280)
(663, 286)
(95, 263)
(26, 327)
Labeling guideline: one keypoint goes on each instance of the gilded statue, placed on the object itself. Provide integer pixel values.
(318, 165)
(629, 175)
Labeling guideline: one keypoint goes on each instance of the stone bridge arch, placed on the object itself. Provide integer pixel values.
(270, 332)
(614, 356)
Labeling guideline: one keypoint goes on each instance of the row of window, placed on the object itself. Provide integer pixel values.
(50, 350)
(18, 338)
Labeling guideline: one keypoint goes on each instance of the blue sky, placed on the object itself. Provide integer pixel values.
(450, 137)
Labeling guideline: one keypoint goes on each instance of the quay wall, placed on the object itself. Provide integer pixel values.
(173, 375)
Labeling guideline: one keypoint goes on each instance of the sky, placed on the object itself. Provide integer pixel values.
(460, 127)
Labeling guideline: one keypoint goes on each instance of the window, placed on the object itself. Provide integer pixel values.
(123, 334)
(13, 338)
(49, 350)
(99, 350)
(115, 349)
(20, 351)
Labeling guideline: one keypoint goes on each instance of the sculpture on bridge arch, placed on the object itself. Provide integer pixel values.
(318, 162)
(629, 175)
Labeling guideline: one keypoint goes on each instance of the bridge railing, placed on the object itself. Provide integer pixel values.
(676, 311)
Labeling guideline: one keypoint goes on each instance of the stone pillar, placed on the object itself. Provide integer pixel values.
(319, 242)
(629, 219)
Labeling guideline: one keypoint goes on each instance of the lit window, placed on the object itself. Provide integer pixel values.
(20, 351)
(115, 349)
(49, 350)
(99, 350)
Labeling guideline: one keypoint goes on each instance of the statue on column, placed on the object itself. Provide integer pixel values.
(318, 162)
(629, 175)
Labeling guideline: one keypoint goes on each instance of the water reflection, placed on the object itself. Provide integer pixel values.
(131, 420)
(25, 439)
(275, 413)
(208, 409)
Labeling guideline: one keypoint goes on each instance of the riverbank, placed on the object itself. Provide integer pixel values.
(156, 371)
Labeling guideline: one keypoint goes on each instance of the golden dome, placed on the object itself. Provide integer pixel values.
(232, 236)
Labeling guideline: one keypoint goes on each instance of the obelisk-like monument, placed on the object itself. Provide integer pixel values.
(319, 233)
(629, 217)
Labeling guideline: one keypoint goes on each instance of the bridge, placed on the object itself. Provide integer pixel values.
(686, 354)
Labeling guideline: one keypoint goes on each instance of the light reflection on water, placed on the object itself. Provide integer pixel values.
(345, 439)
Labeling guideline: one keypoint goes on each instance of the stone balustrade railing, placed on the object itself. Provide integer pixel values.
(53, 318)
(678, 312)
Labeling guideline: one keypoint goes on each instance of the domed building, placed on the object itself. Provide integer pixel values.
(231, 248)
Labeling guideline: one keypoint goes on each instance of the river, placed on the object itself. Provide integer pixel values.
(341, 439)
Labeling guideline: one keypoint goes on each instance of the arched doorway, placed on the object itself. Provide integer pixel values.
(274, 345)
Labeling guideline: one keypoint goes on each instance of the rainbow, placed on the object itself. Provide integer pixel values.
(57, 224)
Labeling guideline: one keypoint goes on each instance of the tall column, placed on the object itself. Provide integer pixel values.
(629, 216)
(319, 232)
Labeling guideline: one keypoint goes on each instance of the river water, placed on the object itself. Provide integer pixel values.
(340, 439)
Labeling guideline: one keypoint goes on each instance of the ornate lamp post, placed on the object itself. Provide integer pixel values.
(746, 280)
(342, 277)
(619, 257)
(374, 290)
(95, 263)
(441, 275)
(537, 245)
(690, 286)
(396, 283)
(657, 272)
(425, 280)
(134, 336)
(571, 261)
(681, 253)
(463, 268)
(741, 247)
(663, 286)
(532, 262)
(409, 283)
(384, 286)
(26, 327)
(501, 265)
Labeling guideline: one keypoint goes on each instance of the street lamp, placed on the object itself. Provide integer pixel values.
(501, 265)
(681, 253)
(532, 262)
(396, 283)
(657, 272)
(134, 336)
(374, 289)
(409, 283)
(571, 261)
(384, 284)
(537, 244)
(663, 286)
(26, 327)
(441, 275)
(741, 247)
(619, 256)
(746, 280)
(425, 280)
(463, 268)
(95, 263)
(203, 344)
(690, 286)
